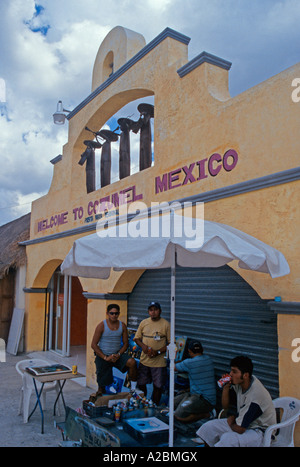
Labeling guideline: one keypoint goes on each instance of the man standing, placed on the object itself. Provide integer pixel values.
(255, 411)
(110, 343)
(153, 336)
(201, 398)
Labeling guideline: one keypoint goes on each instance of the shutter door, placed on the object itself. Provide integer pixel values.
(219, 308)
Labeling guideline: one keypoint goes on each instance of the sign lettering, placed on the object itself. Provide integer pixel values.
(182, 176)
(196, 171)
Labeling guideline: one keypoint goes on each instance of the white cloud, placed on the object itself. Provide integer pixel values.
(160, 5)
(283, 16)
(2, 90)
(75, 63)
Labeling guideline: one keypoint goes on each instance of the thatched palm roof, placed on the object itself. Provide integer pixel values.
(12, 255)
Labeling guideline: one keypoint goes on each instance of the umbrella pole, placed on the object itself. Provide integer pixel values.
(172, 351)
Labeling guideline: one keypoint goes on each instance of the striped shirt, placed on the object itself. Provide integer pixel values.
(201, 375)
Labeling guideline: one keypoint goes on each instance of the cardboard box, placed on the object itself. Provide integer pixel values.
(105, 400)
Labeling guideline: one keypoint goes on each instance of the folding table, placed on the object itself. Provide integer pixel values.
(61, 377)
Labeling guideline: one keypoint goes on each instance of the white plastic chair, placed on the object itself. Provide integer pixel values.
(291, 414)
(28, 386)
(286, 426)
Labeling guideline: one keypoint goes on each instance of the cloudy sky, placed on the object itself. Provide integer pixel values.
(48, 48)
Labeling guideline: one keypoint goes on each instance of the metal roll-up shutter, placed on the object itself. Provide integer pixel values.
(218, 307)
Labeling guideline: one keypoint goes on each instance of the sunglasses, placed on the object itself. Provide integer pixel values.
(114, 313)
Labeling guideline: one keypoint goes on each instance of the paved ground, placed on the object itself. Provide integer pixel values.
(13, 432)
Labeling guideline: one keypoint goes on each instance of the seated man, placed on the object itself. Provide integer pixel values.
(200, 400)
(255, 411)
(110, 342)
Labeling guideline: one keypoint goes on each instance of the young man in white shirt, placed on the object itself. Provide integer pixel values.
(255, 411)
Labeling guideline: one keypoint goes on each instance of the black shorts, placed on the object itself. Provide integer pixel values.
(104, 369)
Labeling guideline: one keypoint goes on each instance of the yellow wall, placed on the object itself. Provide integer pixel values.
(195, 117)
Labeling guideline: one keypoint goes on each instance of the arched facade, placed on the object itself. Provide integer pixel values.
(238, 156)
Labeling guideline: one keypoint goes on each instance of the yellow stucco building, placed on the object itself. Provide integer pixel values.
(239, 156)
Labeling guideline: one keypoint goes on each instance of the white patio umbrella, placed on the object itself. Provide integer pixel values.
(134, 246)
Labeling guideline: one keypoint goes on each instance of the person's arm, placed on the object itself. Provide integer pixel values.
(226, 396)
(125, 342)
(236, 428)
(148, 350)
(97, 336)
(164, 348)
(154, 353)
(138, 338)
(143, 346)
(252, 412)
(180, 366)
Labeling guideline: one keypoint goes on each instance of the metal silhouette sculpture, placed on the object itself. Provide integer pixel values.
(105, 166)
(142, 125)
(147, 112)
(125, 124)
(88, 157)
